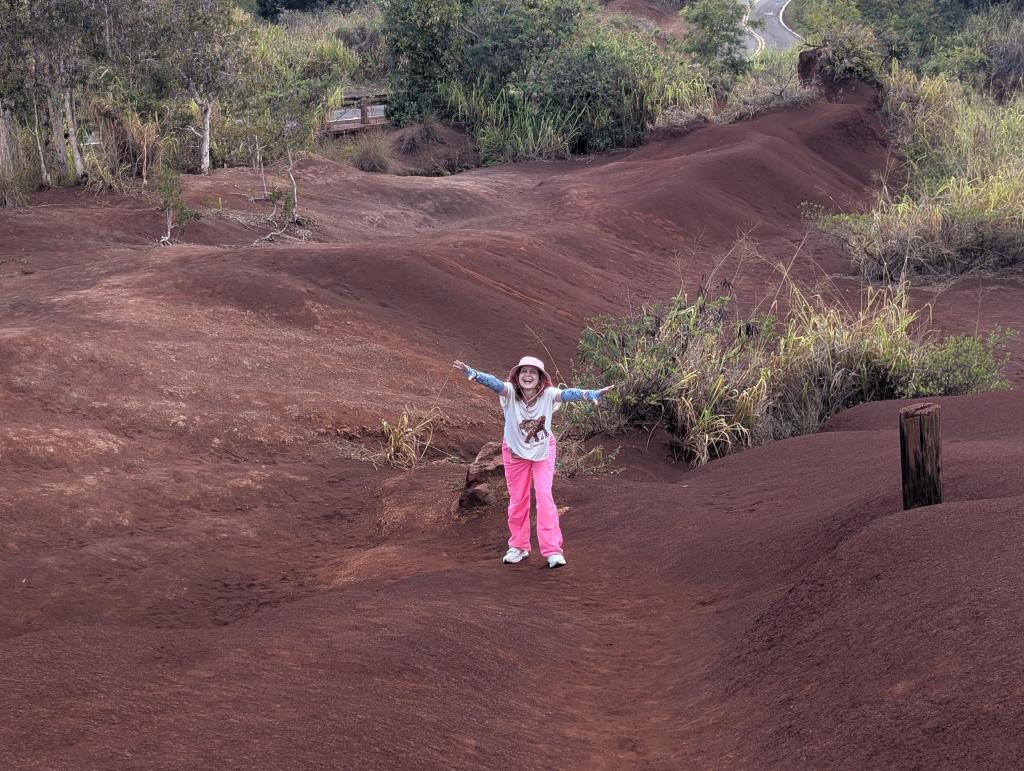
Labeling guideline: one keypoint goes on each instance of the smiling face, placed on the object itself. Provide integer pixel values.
(529, 377)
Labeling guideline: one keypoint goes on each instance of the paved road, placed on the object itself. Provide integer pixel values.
(774, 34)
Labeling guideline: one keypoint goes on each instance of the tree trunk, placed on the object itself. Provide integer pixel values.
(920, 455)
(44, 172)
(6, 156)
(72, 135)
(58, 145)
(295, 190)
(205, 108)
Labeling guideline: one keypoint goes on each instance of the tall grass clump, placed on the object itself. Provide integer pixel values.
(962, 207)
(372, 151)
(509, 126)
(719, 381)
(19, 168)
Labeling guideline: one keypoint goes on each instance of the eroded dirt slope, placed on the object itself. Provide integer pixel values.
(198, 571)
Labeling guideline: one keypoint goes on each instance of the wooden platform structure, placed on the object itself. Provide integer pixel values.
(362, 108)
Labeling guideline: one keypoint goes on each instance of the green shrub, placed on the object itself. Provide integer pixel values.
(511, 127)
(618, 82)
(962, 207)
(965, 364)
(716, 39)
(988, 53)
(719, 381)
(505, 40)
(424, 45)
(362, 32)
(19, 168)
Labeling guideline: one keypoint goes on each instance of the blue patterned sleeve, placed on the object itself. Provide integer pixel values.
(579, 395)
(487, 380)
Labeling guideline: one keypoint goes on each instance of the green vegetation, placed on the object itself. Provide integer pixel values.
(168, 187)
(951, 75)
(371, 151)
(531, 78)
(962, 206)
(771, 82)
(101, 94)
(717, 39)
(719, 381)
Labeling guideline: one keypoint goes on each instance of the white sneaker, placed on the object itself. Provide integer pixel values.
(514, 555)
(556, 561)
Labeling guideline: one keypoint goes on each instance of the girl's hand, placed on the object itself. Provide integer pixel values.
(464, 368)
(600, 392)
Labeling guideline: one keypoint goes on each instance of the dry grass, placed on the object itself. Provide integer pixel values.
(771, 83)
(719, 381)
(962, 208)
(372, 151)
(407, 441)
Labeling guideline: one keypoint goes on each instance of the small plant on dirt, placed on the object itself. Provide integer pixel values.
(408, 440)
(178, 214)
(372, 151)
(575, 460)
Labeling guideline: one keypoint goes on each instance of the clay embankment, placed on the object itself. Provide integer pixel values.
(197, 573)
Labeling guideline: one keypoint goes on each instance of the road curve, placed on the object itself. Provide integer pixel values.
(775, 33)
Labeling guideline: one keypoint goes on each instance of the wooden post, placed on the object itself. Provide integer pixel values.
(921, 455)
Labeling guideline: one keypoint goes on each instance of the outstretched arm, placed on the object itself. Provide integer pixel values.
(582, 395)
(480, 377)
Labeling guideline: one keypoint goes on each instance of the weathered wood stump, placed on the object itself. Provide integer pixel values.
(921, 455)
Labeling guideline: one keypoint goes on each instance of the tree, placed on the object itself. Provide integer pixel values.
(424, 49)
(716, 38)
(506, 40)
(199, 47)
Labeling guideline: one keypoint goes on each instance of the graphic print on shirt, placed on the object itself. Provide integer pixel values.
(534, 430)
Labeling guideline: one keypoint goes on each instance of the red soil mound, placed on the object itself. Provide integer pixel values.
(200, 571)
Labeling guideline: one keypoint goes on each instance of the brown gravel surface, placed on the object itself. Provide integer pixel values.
(199, 570)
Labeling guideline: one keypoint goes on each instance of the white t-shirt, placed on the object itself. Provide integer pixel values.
(528, 429)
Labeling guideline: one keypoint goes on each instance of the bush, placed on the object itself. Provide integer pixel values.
(371, 151)
(988, 53)
(719, 381)
(361, 31)
(509, 126)
(852, 50)
(424, 48)
(962, 208)
(717, 39)
(18, 174)
(965, 364)
(771, 83)
(507, 39)
(617, 82)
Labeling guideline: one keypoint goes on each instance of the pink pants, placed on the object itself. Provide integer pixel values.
(518, 475)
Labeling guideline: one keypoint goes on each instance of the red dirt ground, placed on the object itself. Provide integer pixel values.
(198, 571)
